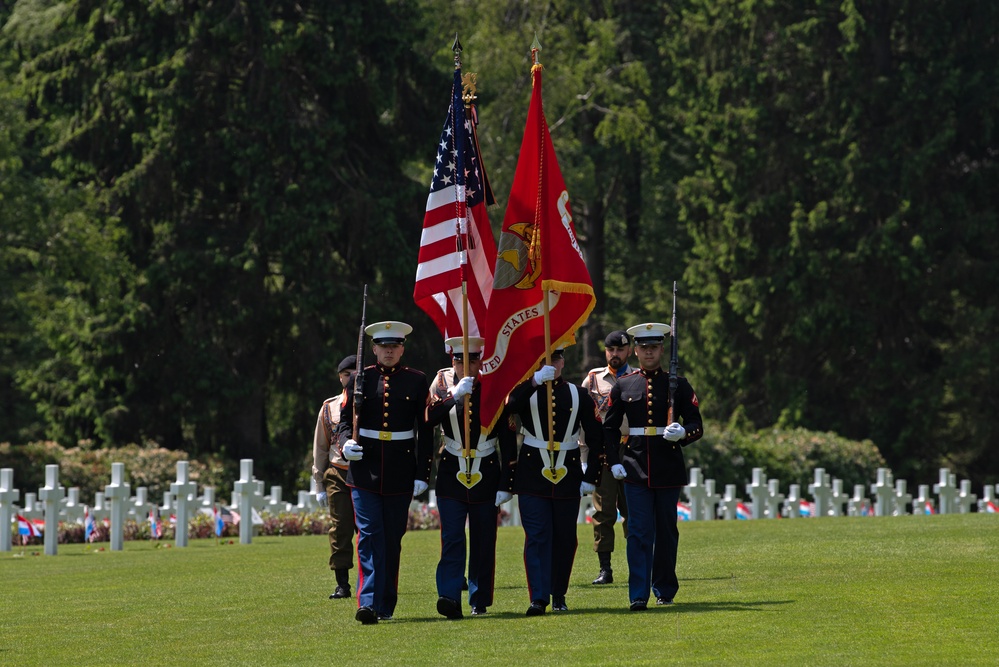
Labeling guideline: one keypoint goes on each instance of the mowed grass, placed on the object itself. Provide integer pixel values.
(842, 591)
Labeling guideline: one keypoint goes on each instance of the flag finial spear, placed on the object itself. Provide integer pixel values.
(456, 47)
(535, 49)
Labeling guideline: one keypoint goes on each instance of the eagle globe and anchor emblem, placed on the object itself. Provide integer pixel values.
(518, 265)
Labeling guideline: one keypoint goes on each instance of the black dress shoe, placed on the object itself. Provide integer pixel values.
(664, 601)
(639, 605)
(366, 615)
(340, 592)
(384, 617)
(448, 607)
(605, 577)
(558, 604)
(537, 608)
(478, 611)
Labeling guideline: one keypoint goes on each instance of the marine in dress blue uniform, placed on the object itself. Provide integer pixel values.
(549, 484)
(389, 464)
(468, 488)
(651, 464)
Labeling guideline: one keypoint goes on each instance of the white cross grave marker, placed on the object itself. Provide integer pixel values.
(988, 499)
(100, 510)
(837, 498)
(821, 492)
(139, 506)
(859, 504)
(51, 495)
(711, 500)
(32, 508)
(758, 492)
(8, 499)
(902, 498)
(729, 505)
(922, 501)
(946, 490)
(774, 499)
(183, 491)
(965, 498)
(884, 493)
(72, 508)
(116, 494)
(247, 488)
(792, 506)
(695, 494)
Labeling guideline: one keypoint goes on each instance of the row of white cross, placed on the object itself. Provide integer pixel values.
(117, 504)
(891, 497)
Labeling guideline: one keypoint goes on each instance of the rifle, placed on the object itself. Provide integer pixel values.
(359, 367)
(674, 361)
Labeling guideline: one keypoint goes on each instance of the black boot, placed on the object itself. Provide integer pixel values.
(342, 584)
(606, 575)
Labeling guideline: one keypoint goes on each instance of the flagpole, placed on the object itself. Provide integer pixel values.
(536, 60)
(463, 245)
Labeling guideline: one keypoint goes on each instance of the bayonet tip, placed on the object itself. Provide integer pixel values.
(456, 47)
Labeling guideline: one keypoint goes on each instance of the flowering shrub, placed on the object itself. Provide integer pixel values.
(424, 517)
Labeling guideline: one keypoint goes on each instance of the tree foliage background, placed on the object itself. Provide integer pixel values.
(193, 194)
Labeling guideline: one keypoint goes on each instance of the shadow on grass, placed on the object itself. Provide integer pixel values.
(679, 608)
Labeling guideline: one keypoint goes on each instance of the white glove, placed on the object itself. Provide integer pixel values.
(618, 471)
(585, 488)
(546, 374)
(503, 497)
(463, 388)
(419, 486)
(352, 451)
(321, 497)
(675, 432)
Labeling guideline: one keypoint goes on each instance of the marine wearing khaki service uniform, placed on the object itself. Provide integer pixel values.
(608, 498)
(329, 469)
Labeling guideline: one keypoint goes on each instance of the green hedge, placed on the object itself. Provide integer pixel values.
(728, 456)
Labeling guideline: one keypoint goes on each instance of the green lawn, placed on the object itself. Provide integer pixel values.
(841, 591)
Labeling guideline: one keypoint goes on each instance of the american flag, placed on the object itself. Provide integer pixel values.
(457, 243)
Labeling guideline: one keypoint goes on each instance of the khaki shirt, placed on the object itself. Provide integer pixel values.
(324, 453)
(598, 383)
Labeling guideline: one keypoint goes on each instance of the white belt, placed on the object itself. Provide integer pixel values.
(647, 430)
(531, 441)
(485, 448)
(386, 435)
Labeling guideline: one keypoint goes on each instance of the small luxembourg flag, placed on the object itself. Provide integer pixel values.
(928, 507)
(155, 527)
(27, 528)
(991, 507)
(682, 512)
(88, 525)
(741, 511)
(219, 523)
(806, 508)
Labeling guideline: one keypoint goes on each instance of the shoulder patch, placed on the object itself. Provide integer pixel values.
(693, 400)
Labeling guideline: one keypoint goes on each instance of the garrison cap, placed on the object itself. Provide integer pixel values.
(650, 333)
(617, 339)
(347, 363)
(388, 333)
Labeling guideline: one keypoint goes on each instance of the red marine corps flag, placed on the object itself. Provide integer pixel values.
(457, 248)
(538, 252)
